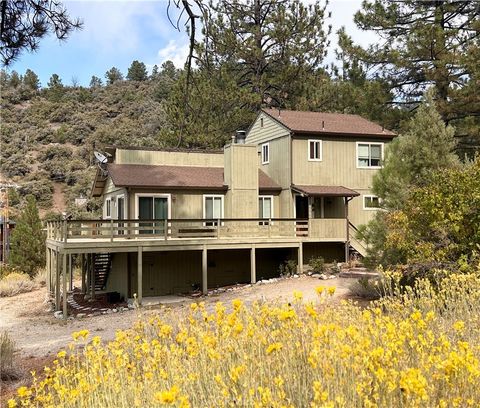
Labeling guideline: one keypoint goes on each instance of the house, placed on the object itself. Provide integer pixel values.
(294, 185)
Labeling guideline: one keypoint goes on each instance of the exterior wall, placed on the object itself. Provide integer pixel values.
(118, 278)
(337, 168)
(170, 158)
(270, 130)
(241, 175)
(111, 191)
(184, 203)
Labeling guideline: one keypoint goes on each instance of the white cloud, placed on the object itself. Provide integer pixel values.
(175, 51)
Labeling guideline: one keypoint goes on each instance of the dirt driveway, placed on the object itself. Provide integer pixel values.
(38, 334)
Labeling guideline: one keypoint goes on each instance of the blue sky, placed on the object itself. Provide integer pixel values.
(117, 32)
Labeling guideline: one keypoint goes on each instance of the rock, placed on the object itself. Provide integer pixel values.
(90, 315)
(58, 314)
(108, 311)
(81, 315)
(309, 273)
(316, 275)
(323, 276)
(114, 310)
(296, 276)
(131, 306)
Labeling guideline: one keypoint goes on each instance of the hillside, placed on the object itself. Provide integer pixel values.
(48, 136)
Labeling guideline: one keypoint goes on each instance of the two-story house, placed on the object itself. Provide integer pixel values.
(295, 185)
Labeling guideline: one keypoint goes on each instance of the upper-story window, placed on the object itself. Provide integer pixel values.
(265, 153)
(315, 150)
(108, 208)
(371, 202)
(369, 155)
(261, 122)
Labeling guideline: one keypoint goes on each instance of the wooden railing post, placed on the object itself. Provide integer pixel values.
(111, 229)
(269, 227)
(165, 228)
(65, 231)
(218, 228)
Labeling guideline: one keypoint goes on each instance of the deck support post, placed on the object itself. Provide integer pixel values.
(347, 235)
(70, 269)
(48, 270)
(88, 275)
(253, 269)
(64, 289)
(140, 275)
(92, 277)
(300, 258)
(204, 270)
(57, 282)
(52, 272)
(82, 268)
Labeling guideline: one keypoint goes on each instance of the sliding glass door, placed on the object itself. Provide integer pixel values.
(153, 208)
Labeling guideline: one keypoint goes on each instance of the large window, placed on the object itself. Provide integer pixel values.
(153, 207)
(212, 208)
(265, 153)
(371, 202)
(369, 155)
(315, 150)
(265, 208)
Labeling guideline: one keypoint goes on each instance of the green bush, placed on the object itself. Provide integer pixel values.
(317, 264)
(8, 370)
(288, 268)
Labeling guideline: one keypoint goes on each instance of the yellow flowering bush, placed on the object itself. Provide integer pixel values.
(420, 348)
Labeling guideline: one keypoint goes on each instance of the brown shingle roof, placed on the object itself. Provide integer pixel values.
(328, 123)
(326, 191)
(177, 177)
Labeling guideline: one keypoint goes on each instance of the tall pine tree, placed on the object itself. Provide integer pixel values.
(28, 240)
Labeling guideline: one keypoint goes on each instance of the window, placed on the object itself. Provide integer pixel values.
(261, 122)
(265, 208)
(212, 208)
(152, 207)
(108, 208)
(265, 153)
(315, 150)
(369, 155)
(371, 202)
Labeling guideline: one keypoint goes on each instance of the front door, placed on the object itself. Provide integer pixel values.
(301, 207)
(152, 208)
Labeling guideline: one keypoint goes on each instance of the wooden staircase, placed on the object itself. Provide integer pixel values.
(355, 244)
(102, 263)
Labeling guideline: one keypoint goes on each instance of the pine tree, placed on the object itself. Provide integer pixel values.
(15, 79)
(263, 43)
(113, 75)
(426, 146)
(137, 71)
(154, 74)
(30, 80)
(56, 89)
(95, 82)
(423, 43)
(28, 240)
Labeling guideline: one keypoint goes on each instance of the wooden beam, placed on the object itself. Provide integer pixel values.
(64, 270)
(92, 277)
(48, 270)
(140, 275)
(82, 268)
(300, 258)
(204, 270)
(253, 266)
(70, 270)
(347, 235)
(57, 282)
(88, 274)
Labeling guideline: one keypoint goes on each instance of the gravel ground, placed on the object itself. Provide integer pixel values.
(38, 334)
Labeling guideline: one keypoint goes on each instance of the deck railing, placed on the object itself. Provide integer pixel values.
(175, 229)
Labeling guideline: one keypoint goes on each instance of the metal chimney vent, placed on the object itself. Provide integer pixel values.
(240, 137)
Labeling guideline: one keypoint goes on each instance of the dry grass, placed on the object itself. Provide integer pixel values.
(416, 349)
(8, 371)
(16, 283)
